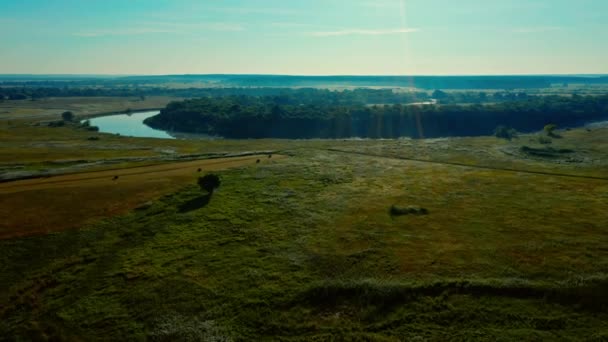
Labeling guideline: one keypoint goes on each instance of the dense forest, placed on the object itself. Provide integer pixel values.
(289, 117)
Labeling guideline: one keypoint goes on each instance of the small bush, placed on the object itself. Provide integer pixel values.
(550, 130)
(93, 138)
(397, 210)
(505, 132)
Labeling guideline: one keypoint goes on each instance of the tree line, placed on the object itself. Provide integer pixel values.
(286, 81)
(277, 117)
(285, 95)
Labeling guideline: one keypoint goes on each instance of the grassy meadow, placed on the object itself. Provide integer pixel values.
(51, 108)
(513, 246)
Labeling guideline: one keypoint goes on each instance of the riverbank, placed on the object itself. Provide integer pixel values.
(133, 124)
(133, 111)
(128, 124)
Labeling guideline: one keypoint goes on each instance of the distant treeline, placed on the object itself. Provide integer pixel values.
(285, 81)
(420, 82)
(283, 95)
(287, 117)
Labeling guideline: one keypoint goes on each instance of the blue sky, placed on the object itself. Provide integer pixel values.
(304, 37)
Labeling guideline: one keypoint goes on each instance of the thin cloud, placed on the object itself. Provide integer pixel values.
(504, 6)
(255, 10)
(288, 24)
(225, 27)
(185, 27)
(523, 30)
(361, 32)
(122, 32)
(163, 28)
(382, 4)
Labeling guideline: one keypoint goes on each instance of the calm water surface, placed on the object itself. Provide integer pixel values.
(131, 125)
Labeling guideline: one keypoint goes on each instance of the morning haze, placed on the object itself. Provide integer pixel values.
(321, 170)
(318, 37)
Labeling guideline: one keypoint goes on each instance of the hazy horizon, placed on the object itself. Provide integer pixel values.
(305, 75)
(304, 38)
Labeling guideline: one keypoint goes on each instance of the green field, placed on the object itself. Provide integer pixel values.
(513, 246)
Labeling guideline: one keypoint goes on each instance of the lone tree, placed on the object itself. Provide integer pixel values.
(67, 116)
(209, 182)
(550, 130)
(439, 94)
(505, 132)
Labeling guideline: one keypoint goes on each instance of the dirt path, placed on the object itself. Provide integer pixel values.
(44, 205)
(140, 172)
(467, 165)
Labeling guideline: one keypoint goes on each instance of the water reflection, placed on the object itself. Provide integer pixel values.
(131, 124)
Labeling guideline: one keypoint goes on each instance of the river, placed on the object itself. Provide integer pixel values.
(129, 124)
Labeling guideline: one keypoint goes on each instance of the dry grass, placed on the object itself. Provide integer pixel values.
(73, 201)
(40, 146)
(51, 108)
(478, 219)
(590, 157)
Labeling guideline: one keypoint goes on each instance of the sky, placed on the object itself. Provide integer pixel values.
(304, 37)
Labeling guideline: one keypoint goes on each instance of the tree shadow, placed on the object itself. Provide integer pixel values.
(195, 203)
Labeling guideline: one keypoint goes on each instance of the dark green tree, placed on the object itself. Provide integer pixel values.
(550, 129)
(439, 95)
(505, 132)
(67, 116)
(209, 182)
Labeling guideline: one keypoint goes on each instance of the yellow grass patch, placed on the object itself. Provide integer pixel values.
(45, 205)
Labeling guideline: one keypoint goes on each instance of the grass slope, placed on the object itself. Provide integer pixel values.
(305, 249)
